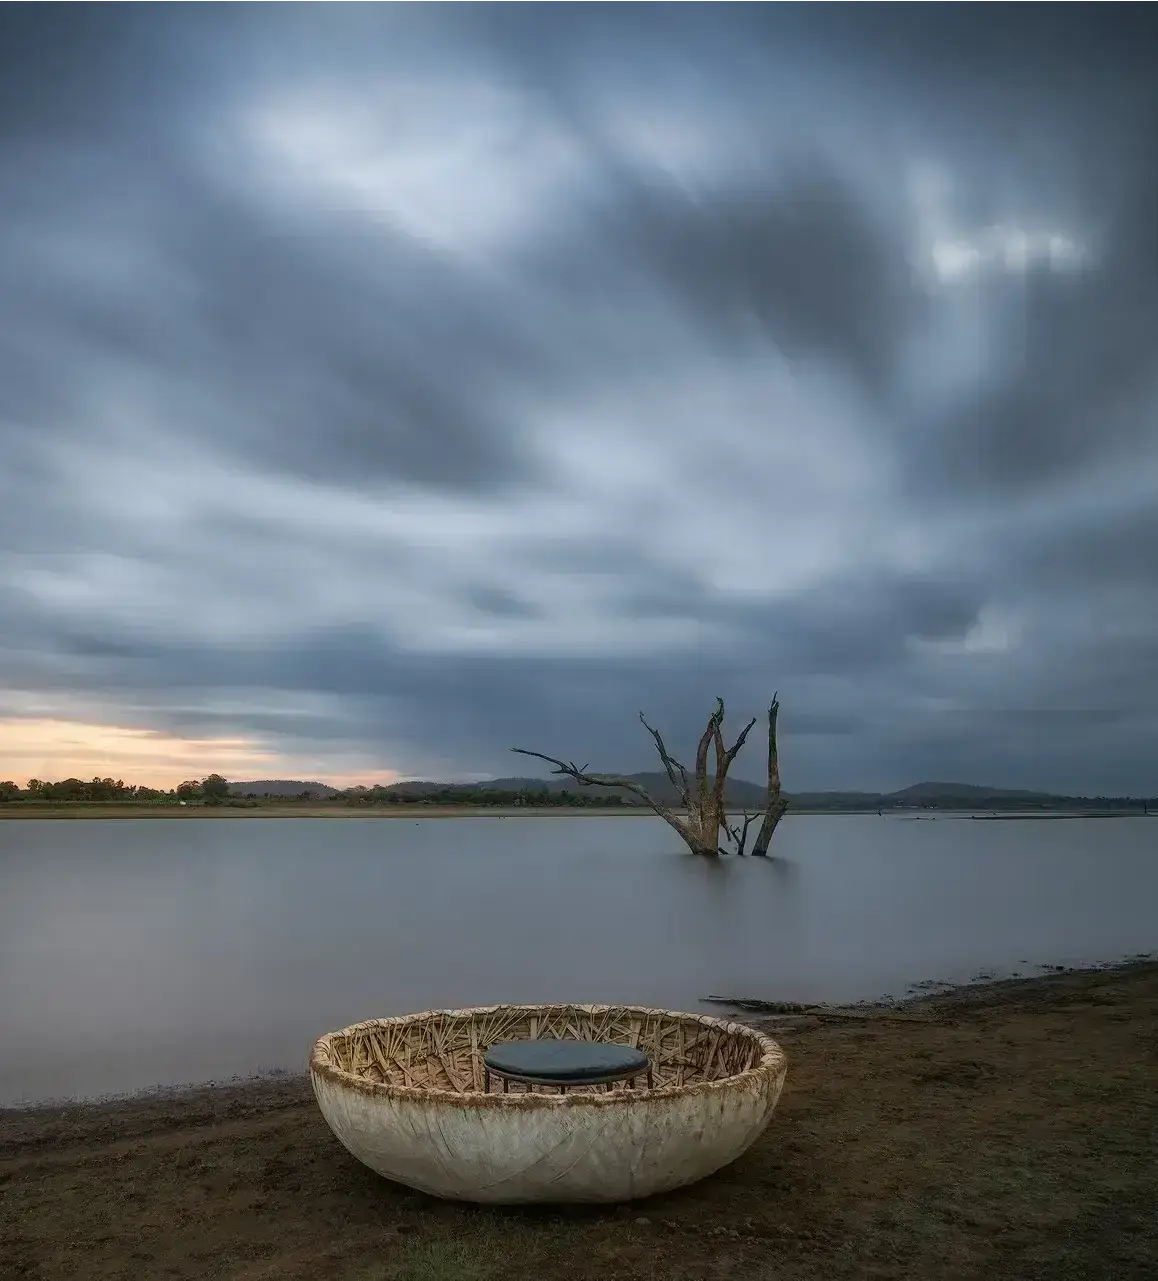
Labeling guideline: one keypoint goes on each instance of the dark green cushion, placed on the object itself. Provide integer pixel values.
(563, 1060)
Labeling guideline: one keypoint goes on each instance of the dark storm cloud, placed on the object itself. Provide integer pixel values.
(428, 381)
(274, 342)
(341, 377)
(1113, 546)
(1081, 356)
(63, 70)
(1040, 48)
(796, 252)
(861, 628)
(499, 602)
(567, 705)
(793, 244)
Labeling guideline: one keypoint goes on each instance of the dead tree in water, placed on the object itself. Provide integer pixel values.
(702, 796)
(774, 803)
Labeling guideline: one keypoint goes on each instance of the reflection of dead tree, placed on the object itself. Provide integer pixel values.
(701, 795)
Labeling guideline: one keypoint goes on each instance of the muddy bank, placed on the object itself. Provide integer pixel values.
(1005, 1131)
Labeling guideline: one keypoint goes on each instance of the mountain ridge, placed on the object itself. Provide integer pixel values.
(287, 787)
(740, 792)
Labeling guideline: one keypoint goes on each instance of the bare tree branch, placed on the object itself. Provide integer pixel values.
(670, 764)
(714, 722)
(735, 748)
(740, 835)
(724, 759)
(584, 779)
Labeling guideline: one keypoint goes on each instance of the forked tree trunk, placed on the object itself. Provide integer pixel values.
(774, 804)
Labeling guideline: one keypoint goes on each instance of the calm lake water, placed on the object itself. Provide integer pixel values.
(167, 952)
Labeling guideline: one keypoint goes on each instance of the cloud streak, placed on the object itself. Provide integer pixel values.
(384, 388)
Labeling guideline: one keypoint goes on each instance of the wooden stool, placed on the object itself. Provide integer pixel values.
(564, 1063)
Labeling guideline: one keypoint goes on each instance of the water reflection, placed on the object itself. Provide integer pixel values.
(138, 953)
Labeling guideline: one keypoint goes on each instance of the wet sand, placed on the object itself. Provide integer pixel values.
(1004, 1131)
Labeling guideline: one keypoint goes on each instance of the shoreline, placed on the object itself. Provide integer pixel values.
(303, 809)
(1001, 1131)
(306, 810)
(920, 996)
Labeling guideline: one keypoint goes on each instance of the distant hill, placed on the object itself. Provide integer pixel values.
(281, 787)
(746, 795)
(964, 792)
(834, 800)
(738, 792)
(960, 796)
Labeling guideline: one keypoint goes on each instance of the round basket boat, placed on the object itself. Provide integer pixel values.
(406, 1097)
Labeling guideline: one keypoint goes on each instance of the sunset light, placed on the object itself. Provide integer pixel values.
(55, 749)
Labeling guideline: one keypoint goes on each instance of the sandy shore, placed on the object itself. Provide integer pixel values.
(1005, 1131)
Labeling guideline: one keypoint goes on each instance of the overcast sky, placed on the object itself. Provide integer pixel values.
(384, 387)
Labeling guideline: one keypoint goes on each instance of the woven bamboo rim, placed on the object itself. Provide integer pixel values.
(437, 1055)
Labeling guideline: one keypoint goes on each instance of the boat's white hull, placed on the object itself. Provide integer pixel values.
(515, 1148)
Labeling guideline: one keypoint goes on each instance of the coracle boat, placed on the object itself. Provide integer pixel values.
(410, 1097)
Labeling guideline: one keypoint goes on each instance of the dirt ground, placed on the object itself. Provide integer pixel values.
(1008, 1131)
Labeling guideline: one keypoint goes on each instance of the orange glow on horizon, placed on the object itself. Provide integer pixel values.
(52, 750)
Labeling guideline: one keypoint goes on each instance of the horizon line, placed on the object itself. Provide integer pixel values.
(482, 781)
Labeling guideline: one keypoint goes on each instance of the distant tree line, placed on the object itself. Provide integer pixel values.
(469, 795)
(1005, 804)
(103, 791)
(216, 790)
